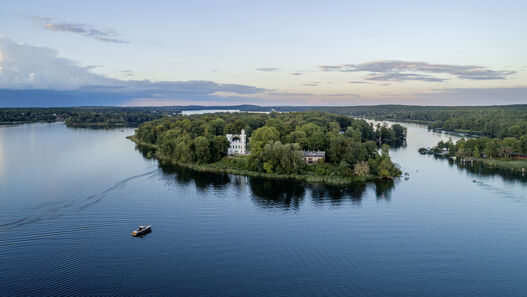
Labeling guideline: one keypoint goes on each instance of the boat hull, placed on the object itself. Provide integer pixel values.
(144, 231)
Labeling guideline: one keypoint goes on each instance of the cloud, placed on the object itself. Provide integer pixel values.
(344, 95)
(27, 66)
(268, 69)
(408, 70)
(127, 72)
(394, 76)
(37, 76)
(474, 96)
(39, 69)
(100, 34)
(274, 93)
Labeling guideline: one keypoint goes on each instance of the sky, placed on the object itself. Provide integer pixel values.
(154, 53)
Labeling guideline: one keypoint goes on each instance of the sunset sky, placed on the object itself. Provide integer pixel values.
(63, 53)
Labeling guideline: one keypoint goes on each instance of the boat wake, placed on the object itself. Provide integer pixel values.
(500, 192)
(79, 205)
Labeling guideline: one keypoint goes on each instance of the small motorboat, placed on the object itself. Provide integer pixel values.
(141, 230)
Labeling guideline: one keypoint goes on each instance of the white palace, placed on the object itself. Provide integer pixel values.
(238, 143)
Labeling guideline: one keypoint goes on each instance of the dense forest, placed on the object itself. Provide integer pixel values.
(276, 141)
(111, 118)
(493, 121)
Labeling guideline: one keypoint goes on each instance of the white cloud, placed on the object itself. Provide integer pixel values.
(32, 67)
(27, 66)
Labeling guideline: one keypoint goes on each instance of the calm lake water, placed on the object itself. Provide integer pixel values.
(69, 199)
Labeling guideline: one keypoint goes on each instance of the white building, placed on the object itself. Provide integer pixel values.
(238, 143)
(312, 157)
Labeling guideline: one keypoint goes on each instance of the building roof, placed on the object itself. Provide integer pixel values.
(314, 154)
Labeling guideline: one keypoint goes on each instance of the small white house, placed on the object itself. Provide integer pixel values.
(238, 143)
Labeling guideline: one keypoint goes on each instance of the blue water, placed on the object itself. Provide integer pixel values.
(69, 199)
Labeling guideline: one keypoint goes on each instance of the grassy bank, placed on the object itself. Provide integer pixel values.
(232, 165)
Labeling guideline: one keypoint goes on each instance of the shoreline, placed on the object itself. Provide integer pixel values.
(506, 164)
(512, 165)
(210, 168)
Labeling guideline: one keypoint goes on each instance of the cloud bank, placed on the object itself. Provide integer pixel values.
(26, 66)
(396, 70)
(38, 76)
(27, 70)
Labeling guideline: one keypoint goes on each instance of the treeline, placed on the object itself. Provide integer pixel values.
(276, 142)
(493, 121)
(87, 117)
(32, 115)
(110, 118)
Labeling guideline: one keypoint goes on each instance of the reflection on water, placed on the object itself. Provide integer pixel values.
(277, 193)
(202, 180)
(478, 169)
(1, 154)
(269, 193)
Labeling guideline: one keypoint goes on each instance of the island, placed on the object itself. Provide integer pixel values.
(315, 147)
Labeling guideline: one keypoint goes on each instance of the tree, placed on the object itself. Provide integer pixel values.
(362, 169)
(201, 150)
(277, 124)
(217, 126)
(262, 136)
(491, 148)
(344, 169)
(235, 127)
(297, 137)
(317, 140)
(278, 158)
(355, 153)
(523, 144)
(218, 147)
(338, 146)
(476, 153)
(400, 132)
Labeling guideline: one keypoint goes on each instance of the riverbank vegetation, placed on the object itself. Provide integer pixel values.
(277, 142)
(508, 152)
